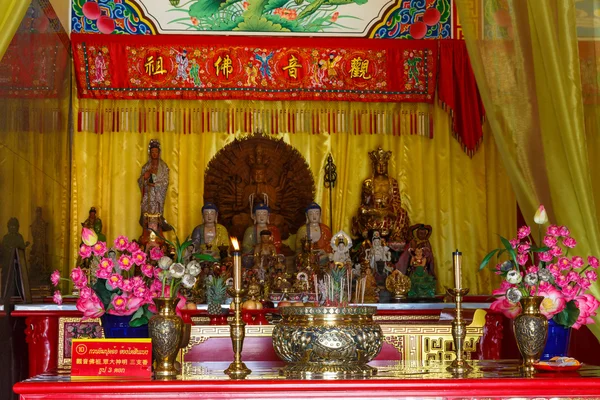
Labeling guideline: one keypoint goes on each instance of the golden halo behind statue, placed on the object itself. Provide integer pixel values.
(258, 169)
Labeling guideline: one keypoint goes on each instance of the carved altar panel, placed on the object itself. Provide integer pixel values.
(258, 169)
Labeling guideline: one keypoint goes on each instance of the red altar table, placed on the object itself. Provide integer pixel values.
(394, 380)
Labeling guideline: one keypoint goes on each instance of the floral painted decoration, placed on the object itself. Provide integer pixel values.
(546, 271)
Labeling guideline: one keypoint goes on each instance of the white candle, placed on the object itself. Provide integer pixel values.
(237, 265)
(457, 264)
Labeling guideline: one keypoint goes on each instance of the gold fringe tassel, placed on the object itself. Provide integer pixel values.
(30, 116)
(242, 117)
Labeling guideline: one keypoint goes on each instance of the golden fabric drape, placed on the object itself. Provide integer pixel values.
(528, 71)
(467, 201)
(12, 13)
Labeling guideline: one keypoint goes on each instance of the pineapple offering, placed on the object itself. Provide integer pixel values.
(216, 293)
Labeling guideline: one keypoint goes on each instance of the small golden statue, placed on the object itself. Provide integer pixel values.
(307, 260)
(302, 283)
(381, 207)
(398, 284)
(209, 237)
(371, 289)
(254, 288)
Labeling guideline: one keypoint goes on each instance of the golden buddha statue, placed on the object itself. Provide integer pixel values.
(381, 208)
(265, 255)
(209, 236)
(398, 284)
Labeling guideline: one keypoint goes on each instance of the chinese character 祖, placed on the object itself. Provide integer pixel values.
(154, 67)
(359, 68)
(223, 65)
(292, 67)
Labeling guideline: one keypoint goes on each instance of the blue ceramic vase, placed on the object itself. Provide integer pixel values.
(117, 327)
(557, 344)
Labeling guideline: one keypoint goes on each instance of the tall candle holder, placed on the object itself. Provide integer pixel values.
(237, 369)
(459, 332)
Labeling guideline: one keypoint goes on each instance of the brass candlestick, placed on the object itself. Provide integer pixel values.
(459, 332)
(237, 369)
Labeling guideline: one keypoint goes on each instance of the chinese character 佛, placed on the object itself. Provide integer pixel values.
(292, 67)
(154, 67)
(359, 68)
(223, 65)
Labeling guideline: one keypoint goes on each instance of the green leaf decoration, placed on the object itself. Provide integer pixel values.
(138, 314)
(487, 259)
(444, 8)
(273, 4)
(360, 2)
(292, 26)
(540, 249)
(256, 24)
(205, 257)
(228, 3)
(568, 316)
(139, 321)
(509, 249)
(205, 8)
(103, 293)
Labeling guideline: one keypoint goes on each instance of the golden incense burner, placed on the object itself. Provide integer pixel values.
(327, 342)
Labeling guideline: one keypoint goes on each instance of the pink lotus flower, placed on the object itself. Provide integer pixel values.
(85, 293)
(561, 281)
(569, 292)
(550, 241)
(564, 263)
(121, 243)
(133, 247)
(553, 303)
(564, 231)
(522, 259)
(569, 242)
(553, 230)
(99, 249)
(573, 276)
(510, 310)
(140, 291)
(135, 302)
(118, 304)
(156, 286)
(139, 257)
(591, 275)
(577, 262)
(514, 243)
(584, 284)
(556, 251)
(91, 306)
(126, 285)
(105, 268)
(115, 281)
(523, 248)
(593, 261)
(156, 254)
(540, 217)
(79, 278)
(587, 305)
(125, 262)
(523, 232)
(88, 237)
(136, 282)
(148, 270)
(55, 278)
(57, 298)
(85, 251)
(546, 256)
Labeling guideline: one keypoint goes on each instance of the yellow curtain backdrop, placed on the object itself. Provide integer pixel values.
(467, 201)
(13, 12)
(525, 55)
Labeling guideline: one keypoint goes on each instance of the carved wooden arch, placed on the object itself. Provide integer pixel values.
(229, 178)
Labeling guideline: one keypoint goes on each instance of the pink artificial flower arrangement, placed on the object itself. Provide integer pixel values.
(112, 285)
(548, 271)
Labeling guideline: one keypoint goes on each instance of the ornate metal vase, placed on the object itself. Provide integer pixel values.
(166, 332)
(531, 331)
(319, 342)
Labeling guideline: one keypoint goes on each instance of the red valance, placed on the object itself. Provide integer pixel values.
(458, 94)
(267, 68)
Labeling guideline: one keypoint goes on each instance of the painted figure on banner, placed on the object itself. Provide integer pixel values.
(153, 182)
(11, 241)
(260, 217)
(195, 73)
(182, 65)
(265, 68)
(251, 74)
(332, 63)
(94, 223)
(316, 232)
(381, 207)
(209, 236)
(318, 73)
(100, 66)
(341, 243)
(39, 270)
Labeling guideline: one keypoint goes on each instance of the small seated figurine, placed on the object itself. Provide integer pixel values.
(398, 284)
(422, 285)
(94, 223)
(378, 252)
(417, 260)
(341, 244)
(314, 231)
(302, 283)
(209, 236)
(261, 223)
(307, 260)
(371, 289)
(265, 254)
(254, 288)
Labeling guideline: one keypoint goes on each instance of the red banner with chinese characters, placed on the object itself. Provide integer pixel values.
(255, 68)
(111, 357)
